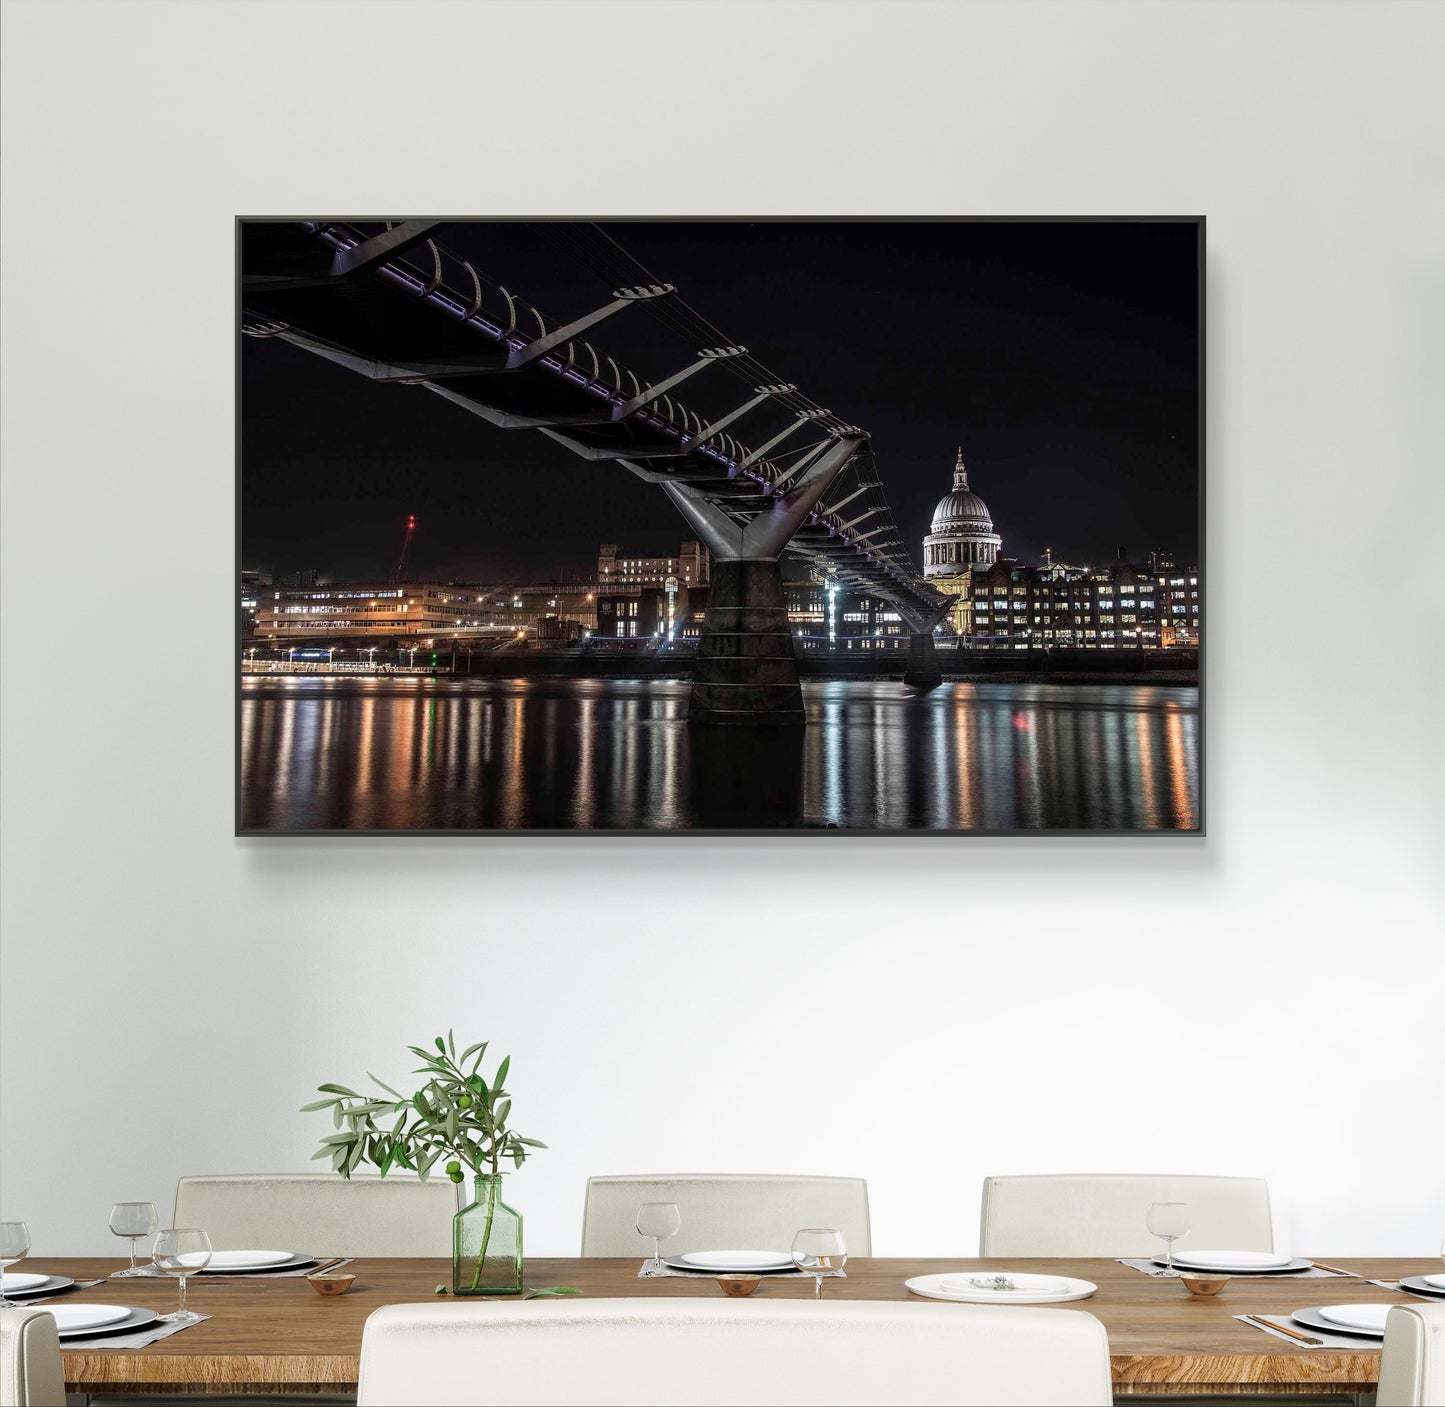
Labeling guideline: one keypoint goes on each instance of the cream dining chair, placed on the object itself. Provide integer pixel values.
(30, 1373)
(721, 1211)
(320, 1213)
(708, 1351)
(1102, 1214)
(1412, 1367)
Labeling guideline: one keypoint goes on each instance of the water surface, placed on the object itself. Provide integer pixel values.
(417, 753)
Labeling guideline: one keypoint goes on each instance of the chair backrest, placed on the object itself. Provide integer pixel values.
(30, 1373)
(715, 1350)
(1102, 1214)
(724, 1211)
(320, 1213)
(1412, 1367)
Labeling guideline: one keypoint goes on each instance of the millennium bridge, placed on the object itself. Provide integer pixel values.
(388, 300)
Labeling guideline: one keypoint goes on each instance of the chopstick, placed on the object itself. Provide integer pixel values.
(1334, 1269)
(325, 1265)
(1280, 1329)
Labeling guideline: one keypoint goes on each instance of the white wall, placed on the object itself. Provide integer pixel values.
(172, 994)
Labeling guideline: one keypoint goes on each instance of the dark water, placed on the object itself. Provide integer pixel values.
(342, 753)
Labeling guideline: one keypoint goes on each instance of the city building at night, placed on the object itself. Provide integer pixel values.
(252, 585)
(962, 541)
(656, 597)
(1119, 607)
(288, 615)
(822, 612)
(618, 575)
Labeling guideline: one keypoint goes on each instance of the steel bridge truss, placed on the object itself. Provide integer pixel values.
(389, 302)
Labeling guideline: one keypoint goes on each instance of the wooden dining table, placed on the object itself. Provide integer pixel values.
(278, 1335)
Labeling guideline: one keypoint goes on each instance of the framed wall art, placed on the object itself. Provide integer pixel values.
(870, 525)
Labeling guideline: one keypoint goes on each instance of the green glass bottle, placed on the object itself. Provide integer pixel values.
(487, 1243)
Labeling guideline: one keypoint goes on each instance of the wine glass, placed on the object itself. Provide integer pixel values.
(659, 1220)
(181, 1251)
(133, 1220)
(1168, 1221)
(14, 1247)
(820, 1251)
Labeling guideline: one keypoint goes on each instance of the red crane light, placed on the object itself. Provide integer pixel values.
(398, 573)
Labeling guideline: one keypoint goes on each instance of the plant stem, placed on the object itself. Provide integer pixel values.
(486, 1231)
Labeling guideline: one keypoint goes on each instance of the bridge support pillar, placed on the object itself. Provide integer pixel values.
(922, 670)
(746, 671)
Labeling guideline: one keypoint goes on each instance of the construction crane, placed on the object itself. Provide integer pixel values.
(398, 572)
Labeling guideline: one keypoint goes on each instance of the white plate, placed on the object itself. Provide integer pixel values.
(1232, 1260)
(1314, 1319)
(731, 1262)
(1370, 1317)
(1288, 1267)
(1422, 1286)
(134, 1319)
(237, 1260)
(72, 1318)
(49, 1285)
(296, 1262)
(955, 1287)
(15, 1283)
(1022, 1284)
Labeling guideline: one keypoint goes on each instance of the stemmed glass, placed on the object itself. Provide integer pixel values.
(1168, 1221)
(133, 1220)
(14, 1247)
(820, 1251)
(659, 1220)
(181, 1251)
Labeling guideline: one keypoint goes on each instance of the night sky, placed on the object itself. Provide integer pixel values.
(1063, 357)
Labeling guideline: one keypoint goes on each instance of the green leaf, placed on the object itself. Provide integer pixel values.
(452, 1124)
(440, 1044)
(440, 1290)
(550, 1292)
(320, 1153)
(337, 1138)
(337, 1089)
(478, 1050)
(502, 1072)
(451, 1043)
(395, 1093)
(530, 1142)
(317, 1104)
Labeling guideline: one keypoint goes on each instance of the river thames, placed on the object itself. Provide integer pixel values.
(367, 753)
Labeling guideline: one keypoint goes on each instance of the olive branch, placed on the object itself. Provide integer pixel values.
(457, 1113)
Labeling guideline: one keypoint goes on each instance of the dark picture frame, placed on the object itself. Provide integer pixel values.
(321, 293)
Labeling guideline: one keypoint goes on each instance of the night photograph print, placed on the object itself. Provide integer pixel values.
(712, 526)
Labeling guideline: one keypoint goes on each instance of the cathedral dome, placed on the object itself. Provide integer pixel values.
(962, 509)
(962, 538)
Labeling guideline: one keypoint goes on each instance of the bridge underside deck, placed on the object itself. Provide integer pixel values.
(396, 321)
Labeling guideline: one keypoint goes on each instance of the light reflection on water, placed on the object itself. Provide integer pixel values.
(483, 754)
